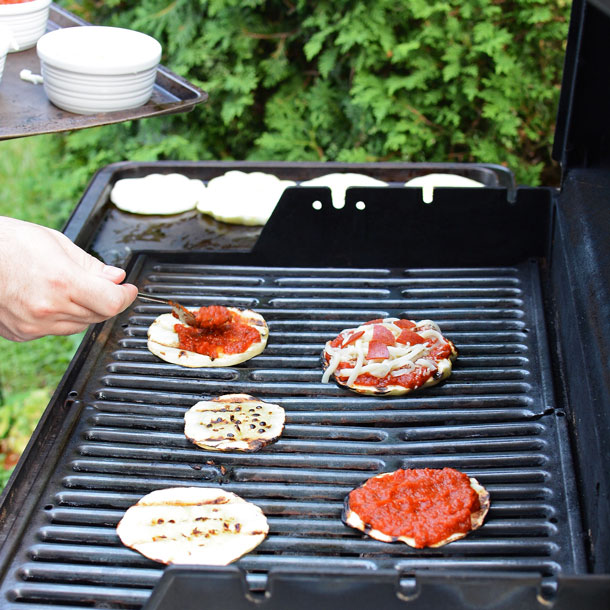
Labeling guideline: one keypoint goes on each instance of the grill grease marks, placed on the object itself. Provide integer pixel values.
(489, 420)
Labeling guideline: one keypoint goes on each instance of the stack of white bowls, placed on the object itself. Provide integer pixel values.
(7, 44)
(27, 21)
(91, 69)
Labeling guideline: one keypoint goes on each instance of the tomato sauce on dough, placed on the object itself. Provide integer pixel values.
(219, 331)
(425, 504)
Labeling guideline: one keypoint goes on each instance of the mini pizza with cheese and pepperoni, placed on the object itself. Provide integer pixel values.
(389, 356)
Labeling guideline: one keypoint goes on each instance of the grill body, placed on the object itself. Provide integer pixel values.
(496, 418)
(518, 278)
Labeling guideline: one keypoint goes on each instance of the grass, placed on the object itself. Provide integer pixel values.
(30, 190)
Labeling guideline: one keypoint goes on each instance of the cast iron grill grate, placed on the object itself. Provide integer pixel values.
(494, 419)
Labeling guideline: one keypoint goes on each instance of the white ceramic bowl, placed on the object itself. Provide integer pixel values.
(91, 69)
(7, 43)
(26, 20)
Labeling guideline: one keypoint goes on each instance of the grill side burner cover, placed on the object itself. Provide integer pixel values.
(184, 586)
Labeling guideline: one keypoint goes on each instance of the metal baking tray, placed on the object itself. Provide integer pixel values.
(26, 110)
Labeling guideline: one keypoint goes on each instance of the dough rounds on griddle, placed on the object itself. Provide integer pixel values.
(163, 341)
(157, 194)
(431, 181)
(245, 198)
(193, 525)
(234, 422)
(339, 183)
(401, 514)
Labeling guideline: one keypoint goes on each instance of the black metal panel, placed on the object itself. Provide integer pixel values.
(580, 292)
(582, 138)
(383, 226)
(223, 588)
(494, 418)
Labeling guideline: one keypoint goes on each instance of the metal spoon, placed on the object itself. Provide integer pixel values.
(184, 315)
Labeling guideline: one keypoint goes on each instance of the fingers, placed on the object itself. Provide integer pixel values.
(49, 286)
(93, 298)
(93, 291)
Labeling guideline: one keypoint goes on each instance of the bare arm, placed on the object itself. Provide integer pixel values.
(49, 286)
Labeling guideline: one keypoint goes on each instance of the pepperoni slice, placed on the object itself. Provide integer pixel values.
(408, 336)
(377, 350)
(353, 337)
(402, 323)
(383, 334)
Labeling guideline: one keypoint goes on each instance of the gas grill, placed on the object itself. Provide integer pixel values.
(517, 278)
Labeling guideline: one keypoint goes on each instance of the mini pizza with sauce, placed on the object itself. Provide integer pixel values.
(222, 336)
(389, 356)
(422, 507)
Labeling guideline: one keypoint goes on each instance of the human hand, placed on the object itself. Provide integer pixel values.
(49, 286)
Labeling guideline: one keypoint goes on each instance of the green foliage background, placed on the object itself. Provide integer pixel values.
(336, 80)
(343, 80)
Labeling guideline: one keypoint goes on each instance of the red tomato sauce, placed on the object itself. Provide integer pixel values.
(425, 504)
(440, 350)
(413, 379)
(219, 331)
(14, 1)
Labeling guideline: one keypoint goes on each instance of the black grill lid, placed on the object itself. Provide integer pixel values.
(582, 136)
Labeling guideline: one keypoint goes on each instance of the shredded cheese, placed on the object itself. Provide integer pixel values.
(357, 370)
(402, 358)
(335, 359)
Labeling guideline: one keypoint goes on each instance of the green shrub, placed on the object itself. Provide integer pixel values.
(390, 80)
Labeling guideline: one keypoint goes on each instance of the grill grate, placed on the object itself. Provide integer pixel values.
(494, 419)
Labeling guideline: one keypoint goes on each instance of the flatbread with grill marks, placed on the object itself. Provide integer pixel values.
(193, 525)
(233, 422)
(164, 342)
(389, 357)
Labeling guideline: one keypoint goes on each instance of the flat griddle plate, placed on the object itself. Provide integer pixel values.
(494, 418)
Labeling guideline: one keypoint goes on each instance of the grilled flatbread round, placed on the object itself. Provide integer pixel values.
(233, 422)
(406, 510)
(193, 525)
(164, 341)
(389, 356)
(158, 194)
